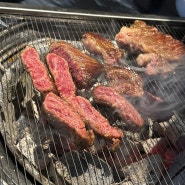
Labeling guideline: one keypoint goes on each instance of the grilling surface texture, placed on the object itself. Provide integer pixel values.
(145, 154)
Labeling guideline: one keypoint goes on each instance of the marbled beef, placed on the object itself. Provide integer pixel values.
(59, 69)
(96, 121)
(37, 70)
(83, 68)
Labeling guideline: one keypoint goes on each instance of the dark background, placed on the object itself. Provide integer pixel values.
(156, 7)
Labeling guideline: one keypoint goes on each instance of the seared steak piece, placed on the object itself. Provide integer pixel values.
(143, 38)
(148, 39)
(83, 68)
(37, 70)
(67, 121)
(96, 121)
(59, 69)
(124, 81)
(98, 44)
(107, 95)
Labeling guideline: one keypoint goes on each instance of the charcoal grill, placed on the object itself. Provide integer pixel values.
(38, 149)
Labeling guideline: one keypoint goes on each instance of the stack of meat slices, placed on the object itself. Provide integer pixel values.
(68, 113)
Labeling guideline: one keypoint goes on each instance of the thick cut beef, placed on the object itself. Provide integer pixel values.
(98, 44)
(37, 70)
(84, 69)
(67, 121)
(165, 52)
(107, 96)
(59, 69)
(96, 121)
(124, 81)
(148, 39)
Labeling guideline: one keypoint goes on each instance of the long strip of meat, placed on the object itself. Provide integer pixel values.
(98, 44)
(107, 95)
(59, 69)
(67, 121)
(124, 81)
(96, 121)
(84, 69)
(37, 70)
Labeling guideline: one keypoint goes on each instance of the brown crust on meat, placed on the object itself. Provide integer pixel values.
(124, 81)
(84, 69)
(148, 39)
(98, 44)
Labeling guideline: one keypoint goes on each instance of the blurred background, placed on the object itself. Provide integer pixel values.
(156, 7)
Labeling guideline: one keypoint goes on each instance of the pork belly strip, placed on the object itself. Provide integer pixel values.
(83, 68)
(148, 39)
(59, 69)
(67, 121)
(37, 70)
(98, 44)
(107, 95)
(95, 120)
(124, 81)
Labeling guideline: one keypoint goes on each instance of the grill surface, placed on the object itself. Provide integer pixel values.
(37, 147)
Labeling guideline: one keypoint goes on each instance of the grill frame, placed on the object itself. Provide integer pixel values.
(34, 15)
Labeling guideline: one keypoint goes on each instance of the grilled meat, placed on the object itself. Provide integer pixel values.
(98, 44)
(37, 70)
(67, 121)
(148, 39)
(83, 68)
(142, 38)
(124, 81)
(107, 95)
(96, 121)
(60, 71)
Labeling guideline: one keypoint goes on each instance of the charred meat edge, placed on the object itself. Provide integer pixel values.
(83, 68)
